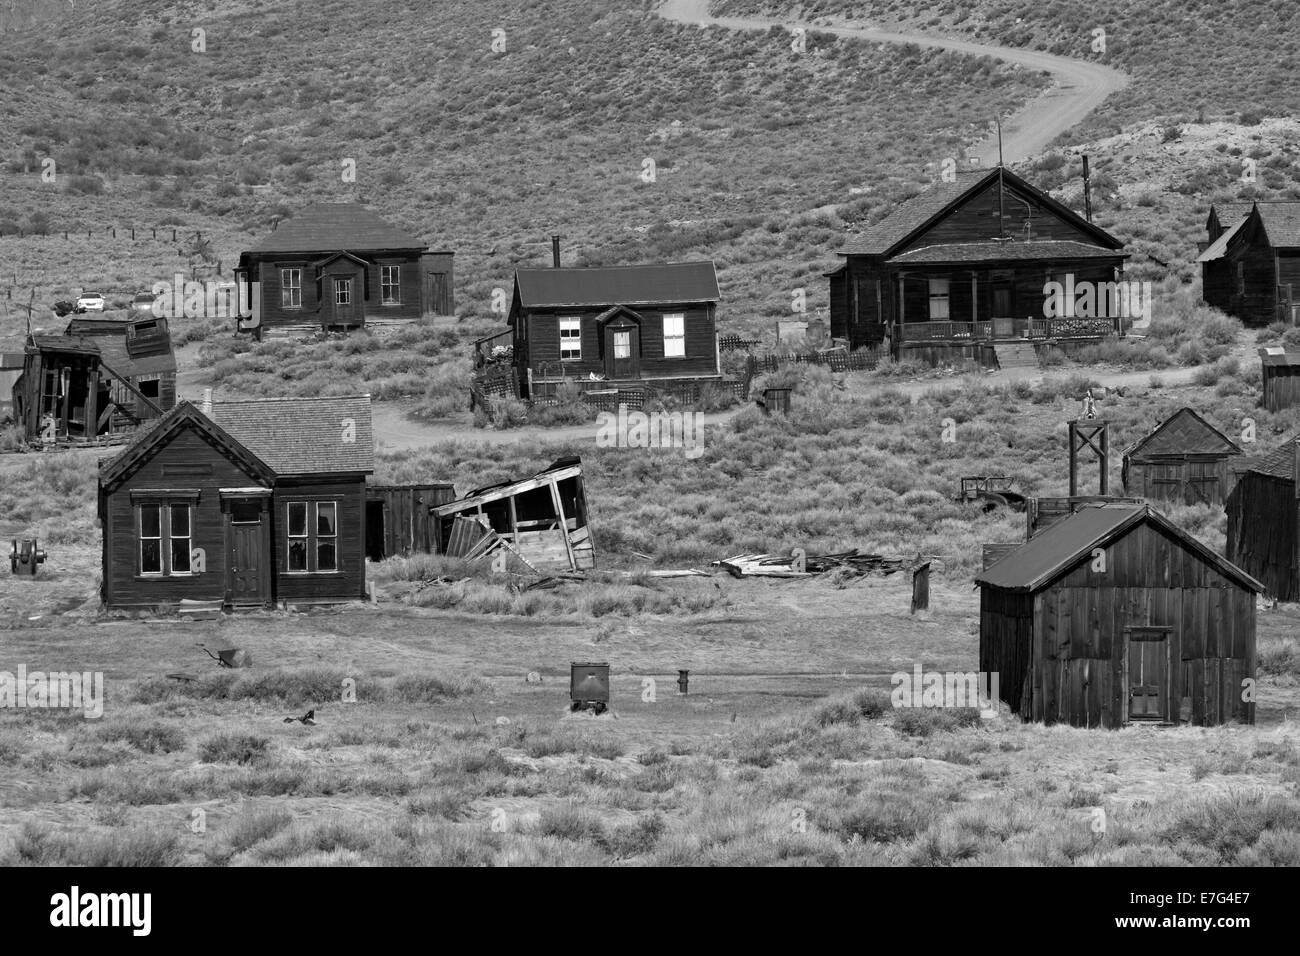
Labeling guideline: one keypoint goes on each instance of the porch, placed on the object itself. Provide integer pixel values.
(1009, 330)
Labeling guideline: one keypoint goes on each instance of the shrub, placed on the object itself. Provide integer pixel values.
(233, 748)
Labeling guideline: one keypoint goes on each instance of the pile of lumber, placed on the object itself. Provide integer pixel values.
(782, 565)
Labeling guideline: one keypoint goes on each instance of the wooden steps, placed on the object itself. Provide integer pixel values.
(1016, 355)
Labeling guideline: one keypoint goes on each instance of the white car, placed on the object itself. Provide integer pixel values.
(91, 302)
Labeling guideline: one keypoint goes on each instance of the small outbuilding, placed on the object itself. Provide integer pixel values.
(1113, 615)
(1264, 521)
(1280, 373)
(1184, 459)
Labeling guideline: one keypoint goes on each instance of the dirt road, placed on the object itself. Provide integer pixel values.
(1080, 85)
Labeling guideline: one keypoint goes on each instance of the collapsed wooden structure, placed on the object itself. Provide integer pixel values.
(1114, 615)
(536, 524)
(1184, 459)
(101, 377)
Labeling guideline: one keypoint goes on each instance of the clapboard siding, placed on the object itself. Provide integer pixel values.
(1263, 515)
(176, 467)
(542, 342)
(977, 219)
(348, 583)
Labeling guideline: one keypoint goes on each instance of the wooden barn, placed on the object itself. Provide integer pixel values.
(540, 523)
(101, 377)
(397, 518)
(1184, 459)
(248, 503)
(1113, 615)
(335, 265)
(961, 269)
(1250, 266)
(1264, 520)
(1280, 374)
(622, 324)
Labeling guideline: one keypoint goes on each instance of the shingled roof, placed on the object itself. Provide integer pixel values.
(1184, 433)
(1062, 545)
(913, 215)
(334, 226)
(1278, 463)
(302, 436)
(664, 284)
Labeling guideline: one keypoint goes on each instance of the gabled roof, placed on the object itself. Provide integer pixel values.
(303, 436)
(1229, 214)
(1281, 219)
(334, 226)
(113, 471)
(1057, 549)
(1011, 250)
(1184, 433)
(913, 216)
(665, 284)
(614, 310)
(1219, 247)
(1276, 355)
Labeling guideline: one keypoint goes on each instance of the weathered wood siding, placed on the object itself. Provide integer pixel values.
(542, 341)
(188, 463)
(1281, 387)
(1262, 531)
(977, 219)
(348, 583)
(1185, 480)
(1006, 636)
(399, 520)
(367, 291)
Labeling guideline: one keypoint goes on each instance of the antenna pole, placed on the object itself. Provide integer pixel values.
(1002, 223)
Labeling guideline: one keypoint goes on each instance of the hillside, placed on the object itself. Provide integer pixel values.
(487, 153)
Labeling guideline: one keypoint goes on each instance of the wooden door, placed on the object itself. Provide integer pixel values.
(437, 301)
(343, 295)
(247, 562)
(1147, 656)
(622, 351)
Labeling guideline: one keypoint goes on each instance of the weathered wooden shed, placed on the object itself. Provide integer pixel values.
(397, 518)
(1183, 459)
(1114, 615)
(1264, 520)
(1250, 266)
(542, 519)
(1281, 376)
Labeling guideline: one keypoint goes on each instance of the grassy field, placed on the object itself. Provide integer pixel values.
(785, 750)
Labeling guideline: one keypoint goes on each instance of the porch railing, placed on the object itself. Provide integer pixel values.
(1006, 329)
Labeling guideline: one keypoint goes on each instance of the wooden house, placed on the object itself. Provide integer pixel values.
(102, 376)
(1184, 459)
(621, 324)
(963, 267)
(538, 523)
(1280, 374)
(249, 503)
(335, 265)
(1114, 615)
(1250, 266)
(1264, 520)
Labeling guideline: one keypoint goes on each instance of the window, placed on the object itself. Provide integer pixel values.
(390, 285)
(342, 291)
(674, 335)
(939, 299)
(622, 344)
(570, 338)
(291, 288)
(313, 544)
(165, 538)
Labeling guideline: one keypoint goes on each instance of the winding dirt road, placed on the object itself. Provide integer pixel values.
(1081, 85)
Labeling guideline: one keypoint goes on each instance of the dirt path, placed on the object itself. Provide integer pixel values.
(1080, 85)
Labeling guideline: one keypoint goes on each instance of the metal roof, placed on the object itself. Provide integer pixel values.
(1219, 246)
(302, 436)
(335, 226)
(1062, 545)
(663, 284)
(1012, 250)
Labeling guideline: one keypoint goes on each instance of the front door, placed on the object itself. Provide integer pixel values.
(247, 562)
(344, 296)
(622, 351)
(1148, 672)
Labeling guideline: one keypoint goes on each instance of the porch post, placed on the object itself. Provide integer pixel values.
(974, 296)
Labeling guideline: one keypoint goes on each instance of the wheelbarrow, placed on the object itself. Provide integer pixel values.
(230, 657)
